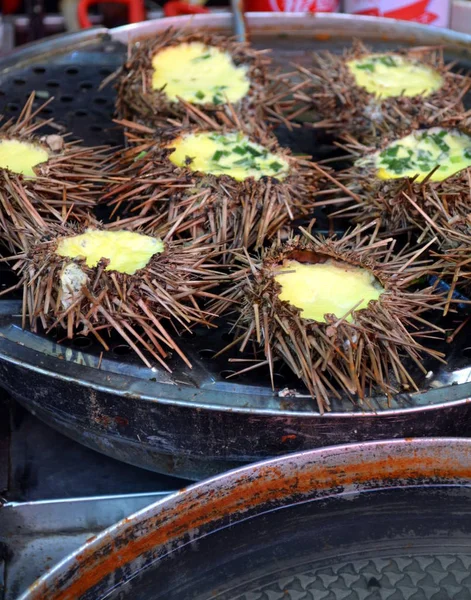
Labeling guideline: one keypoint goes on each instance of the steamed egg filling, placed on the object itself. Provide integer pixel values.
(422, 151)
(199, 74)
(21, 157)
(126, 251)
(331, 287)
(390, 75)
(230, 154)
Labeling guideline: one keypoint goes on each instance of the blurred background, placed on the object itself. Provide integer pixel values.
(23, 21)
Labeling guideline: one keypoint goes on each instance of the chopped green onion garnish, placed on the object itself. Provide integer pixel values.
(253, 151)
(240, 150)
(366, 67)
(388, 61)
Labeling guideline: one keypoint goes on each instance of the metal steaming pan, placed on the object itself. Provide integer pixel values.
(378, 521)
(196, 422)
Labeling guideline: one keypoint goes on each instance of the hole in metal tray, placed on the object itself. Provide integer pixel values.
(122, 350)
(82, 342)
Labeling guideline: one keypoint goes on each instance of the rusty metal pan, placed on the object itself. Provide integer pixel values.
(375, 520)
(197, 422)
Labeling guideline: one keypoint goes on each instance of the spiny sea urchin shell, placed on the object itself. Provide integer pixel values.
(165, 75)
(93, 281)
(43, 178)
(407, 181)
(369, 347)
(240, 188)
(360, 90)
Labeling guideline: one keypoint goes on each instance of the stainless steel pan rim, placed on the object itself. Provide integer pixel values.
(462, 390)
(342, 25)
(306, 23)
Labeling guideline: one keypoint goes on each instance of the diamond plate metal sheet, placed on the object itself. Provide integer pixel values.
(422, 577)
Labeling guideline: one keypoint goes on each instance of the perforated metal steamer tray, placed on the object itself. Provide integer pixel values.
(196, 422)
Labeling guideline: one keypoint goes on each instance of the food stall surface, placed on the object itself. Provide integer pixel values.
(56, 494)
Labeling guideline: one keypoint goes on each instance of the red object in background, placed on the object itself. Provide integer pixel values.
(10, 6)
(434, 12)
(175, 8)
(292, 5)
(136, 11)
(410, 12)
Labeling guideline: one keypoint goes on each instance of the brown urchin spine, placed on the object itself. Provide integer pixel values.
(339, 357)
(448, 219)
(176, 201)
(65, 187)
(166, 294)
(341, 106)
(267, 98)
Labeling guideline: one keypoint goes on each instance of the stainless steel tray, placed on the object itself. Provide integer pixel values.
(382, 520)
(196, 422)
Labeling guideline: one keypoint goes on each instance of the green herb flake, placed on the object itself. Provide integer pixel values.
(425, 167)
(397, 165)
(387, 61)
(438, 140)
(253, 151)
(245, 162)
(140, 155)
(203, 57)
(217, 155)
(390, 152)
(200, 95)
(275, 166)
(424, 155)
(366, 67)
(239, 150)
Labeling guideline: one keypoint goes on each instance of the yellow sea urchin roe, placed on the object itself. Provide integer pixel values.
(127, 251)
(326, 288)
(227, 154)
(20, 157)
(421, 151)
(199, 74)
(390, 75)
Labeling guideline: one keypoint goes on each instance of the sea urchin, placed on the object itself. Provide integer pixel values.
(240, 188)
(93, 281)
(360, 90)
(164, 75)
(43, 178)
(403, 183)
(343, 314)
